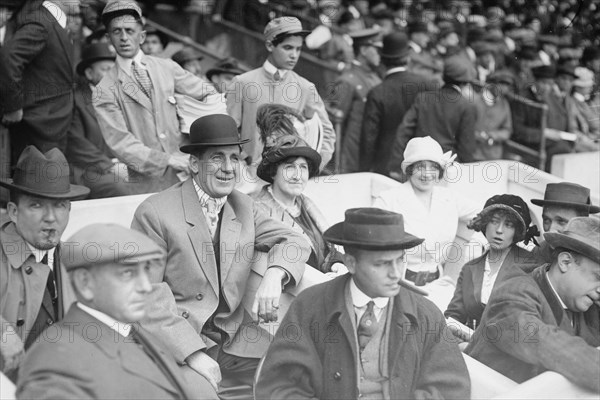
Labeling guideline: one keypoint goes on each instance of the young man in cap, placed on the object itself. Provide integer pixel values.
(549, 319)
(387, 103)
(276, 82)
(135, 103)
(561, 203)
(364, 334)
(100, 351)
(34, 290)
(212, 235)
(350, 95)
(448, 115)
(87, 152)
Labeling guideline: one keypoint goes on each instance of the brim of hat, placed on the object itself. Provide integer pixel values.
(291, 33)
(75, 191)
(189, 148)
(335, 235)
(591, 208)
(504, 207)
(83, 64)
(311, 155)
(216, 71)
(394, 56)
(556, 240)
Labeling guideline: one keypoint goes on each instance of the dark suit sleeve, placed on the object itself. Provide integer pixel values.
(443, 373)
(26, 43)
(404, 133)
(82, 152)
(456, 308)
(515, 327)
(371, 127)
(465, 135)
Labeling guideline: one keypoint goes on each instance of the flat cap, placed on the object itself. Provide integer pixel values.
(120, 7)
(459, 69)
(283, 25)
(99, 244)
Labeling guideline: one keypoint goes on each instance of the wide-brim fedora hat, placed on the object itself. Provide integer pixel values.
(213, 130)
(567, 194)
(582, 235)
(92, 53)
(186, 55)
(285, 147)
(227, 66)
(44, 175)
(371, 228)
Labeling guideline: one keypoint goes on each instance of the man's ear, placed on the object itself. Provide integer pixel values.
(12, 211)
(565, 260)
(84, 283)
(350, 263)
(142, 37)
(194, 164)
(269, 46)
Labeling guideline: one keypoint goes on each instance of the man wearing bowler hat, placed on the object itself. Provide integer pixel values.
(549, 319)
(99, 349)
(364, 334)
(212, 235)
(34, 289)
(561, 203)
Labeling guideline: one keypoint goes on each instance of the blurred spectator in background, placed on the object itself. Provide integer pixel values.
(155, 43)
(223, 72)
(189, 60)
(419, 36)
(485, 61)
(588, 107)
(7, 9)
(548, 53)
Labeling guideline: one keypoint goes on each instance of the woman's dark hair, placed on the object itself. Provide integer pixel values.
(272, 168)
(411, 169)
(277, 40)
(510, 217)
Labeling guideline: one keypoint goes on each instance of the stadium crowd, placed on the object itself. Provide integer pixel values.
(91, 107)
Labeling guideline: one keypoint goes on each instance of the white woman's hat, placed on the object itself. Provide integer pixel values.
(426, 149)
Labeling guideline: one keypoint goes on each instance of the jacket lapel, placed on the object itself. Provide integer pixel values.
(199, 234)
(562, 320)
(65, 40)
(477, 277)
(132, 90)
(230, 234)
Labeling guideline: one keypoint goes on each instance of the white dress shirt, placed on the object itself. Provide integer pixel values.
(40, 254)
(271, 69)
(489, 280)
(125, 63)
(360, 301)
(203, 197)
(121, 328)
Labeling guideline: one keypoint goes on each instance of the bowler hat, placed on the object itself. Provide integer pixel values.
(582, 235)
(213, 130)
(567, 194)
(371, 229)
(92, 53)
(227, 66)
(566, 70)
(395, 45)
(284, 25)
(544, 72)
(417, 26)
(185, 55)
(11, 4)
(118, 8)
(99, 244)
(284, 147)
(44, 175)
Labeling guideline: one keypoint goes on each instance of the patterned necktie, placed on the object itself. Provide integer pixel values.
(142, 78)
(211, 213)
(367, 326)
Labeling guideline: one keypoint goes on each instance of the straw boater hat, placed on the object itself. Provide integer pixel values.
(44, 175)
(582, 235)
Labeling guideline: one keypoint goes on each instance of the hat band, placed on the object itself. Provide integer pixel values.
(374, 232)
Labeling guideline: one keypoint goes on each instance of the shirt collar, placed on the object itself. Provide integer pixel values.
(121, 328)
(203, 197)
(125, 63)
(271, 69)
(359, 299)
(562, 304)
(394, 70)
(40, 254)
(56, 12)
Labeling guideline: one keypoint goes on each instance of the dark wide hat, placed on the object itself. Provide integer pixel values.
(285, 147)
(12, 4)
(44, 175)
(514, 205)
(227, 66)
(213, 130)
(582, 235)
(395, 45)
(92, 53)
(566, 194)
(185, 55)
(372, 229)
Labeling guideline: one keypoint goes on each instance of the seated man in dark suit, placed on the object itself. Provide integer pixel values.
(362, 334)
(99, 351)
(549, 319)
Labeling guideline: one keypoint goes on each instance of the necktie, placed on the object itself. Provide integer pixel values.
(211, 213)
(142, 78)
(367, 326)
(50, 283)
(277, 76)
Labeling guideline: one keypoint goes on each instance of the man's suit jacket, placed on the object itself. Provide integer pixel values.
(385, 107)
(23, 282)
(446, 116)
(314, 354)
(186, 288)
(525, 331)
(466, 305)
(36, 75)
(91, 360)
(144, 133)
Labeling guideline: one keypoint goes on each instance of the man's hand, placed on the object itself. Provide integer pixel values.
(12, 117)
(203, 364)
(180, 162)
(266, 302)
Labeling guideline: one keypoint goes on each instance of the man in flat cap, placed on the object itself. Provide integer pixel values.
(549, 319)
(136, 106)
(34, 289)
(364, 334)
(212, 235)
(276, 82)
(350, 95)
(100, 351)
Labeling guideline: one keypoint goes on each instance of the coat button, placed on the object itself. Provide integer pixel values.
(337, 376)
(49, 321)
(28, 269)
(199, 296)
(162, 136)
(20, 322)
(185, 314)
